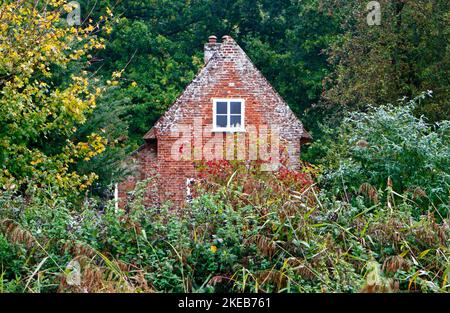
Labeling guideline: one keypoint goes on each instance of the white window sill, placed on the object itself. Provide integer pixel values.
(228, 130)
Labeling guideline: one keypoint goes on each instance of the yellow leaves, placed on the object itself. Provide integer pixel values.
(58, 177)
(90, 28)
(32, 42)
(112, 83)
(36, 161)
(47, 48)
(108, 29)
(42, 84)
(97, 142)
(27, 35)
(42, 67)
(77, 54)
(213, 249)
(18, 82)
(56, 3)
(95, 145)
(99, 46)
(117, 74)
(109, 12)
(68, 7)
(133, 84)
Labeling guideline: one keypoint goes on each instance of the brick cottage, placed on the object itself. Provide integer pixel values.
(228, 111)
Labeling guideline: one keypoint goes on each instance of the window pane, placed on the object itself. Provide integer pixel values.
(221, 121)
(235, 108)
(235, 120)
(221, 108)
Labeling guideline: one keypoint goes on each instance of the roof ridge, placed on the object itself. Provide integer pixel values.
(228, 48)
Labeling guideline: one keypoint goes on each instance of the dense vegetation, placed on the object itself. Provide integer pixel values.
(369, 212)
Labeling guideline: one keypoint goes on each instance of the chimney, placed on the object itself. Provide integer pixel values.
(211, 47)
(226, 38)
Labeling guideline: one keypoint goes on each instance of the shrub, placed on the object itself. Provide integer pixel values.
(389, 147)
(246, 231)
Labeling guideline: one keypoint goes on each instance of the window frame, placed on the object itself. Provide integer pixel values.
(228, 128)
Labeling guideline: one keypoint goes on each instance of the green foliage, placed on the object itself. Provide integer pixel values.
(232, 238)
(111, 119)
(389, 147)
(39, 107)
(403, 56)
(372, 217)
(159, 46)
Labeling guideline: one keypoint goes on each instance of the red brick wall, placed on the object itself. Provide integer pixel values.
(141, 165)
(229, 74)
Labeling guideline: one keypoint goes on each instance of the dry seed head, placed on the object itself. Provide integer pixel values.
(370, 191)
(362, 143)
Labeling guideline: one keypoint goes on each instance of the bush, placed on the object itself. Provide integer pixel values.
(249, 231)
(389, 147)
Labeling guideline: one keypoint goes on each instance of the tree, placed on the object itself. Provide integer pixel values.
(389, 147)
(159, 44)
(44, 96)
(403, 56)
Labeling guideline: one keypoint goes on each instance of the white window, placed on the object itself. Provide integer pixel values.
(228, 115)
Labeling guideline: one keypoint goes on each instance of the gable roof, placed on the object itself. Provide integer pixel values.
(226, 52)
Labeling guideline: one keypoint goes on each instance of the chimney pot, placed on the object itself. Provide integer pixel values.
(212, 39)
(211, 47)
(225, 38)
